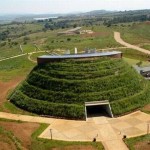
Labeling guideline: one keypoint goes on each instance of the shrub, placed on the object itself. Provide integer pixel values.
(47, 108)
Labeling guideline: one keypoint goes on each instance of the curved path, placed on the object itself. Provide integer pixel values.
(29, 56)
(13, 57)
(108, 130)
(119, 40)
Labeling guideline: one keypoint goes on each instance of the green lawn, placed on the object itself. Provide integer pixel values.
(137, 33)
(35, 55)
(138, 143)
(40, 143)
(45, 144)
(7, 51)
(8, 137)
(28, 48)
(13, 109)
(134, 54)
(146, 47)
(135, 61)
(16, 67)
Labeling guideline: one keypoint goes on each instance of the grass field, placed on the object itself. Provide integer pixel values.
(102, 38)
(28, 138)
(16, 67)
(28, 48)
(13, 71)
(136, 34)
(146, 46)
(139, 143)
(135, 61)
(7, 51)
(134, 54)
(8, 140)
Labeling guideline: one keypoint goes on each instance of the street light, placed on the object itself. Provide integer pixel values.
(148, 128)
(51, 134)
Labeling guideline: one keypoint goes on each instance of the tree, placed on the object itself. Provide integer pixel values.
(75, 25)
(68, 39)
(47, 26)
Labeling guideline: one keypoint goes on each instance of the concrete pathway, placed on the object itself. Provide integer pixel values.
(26, 118)
(29, 55)
(13, 57)
(108, 130)
(30, 59)
(119, 40)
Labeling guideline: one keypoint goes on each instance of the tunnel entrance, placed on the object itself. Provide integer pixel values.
(98, 108)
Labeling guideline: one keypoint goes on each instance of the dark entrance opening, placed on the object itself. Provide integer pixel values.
(98, 108)
(95, 111)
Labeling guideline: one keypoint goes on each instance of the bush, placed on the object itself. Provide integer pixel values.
(131, 103)
(47, 108)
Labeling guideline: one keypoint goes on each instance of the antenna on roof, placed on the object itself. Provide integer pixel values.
(67, 52)
(75, 50)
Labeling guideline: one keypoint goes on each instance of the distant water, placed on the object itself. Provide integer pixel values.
(44, 18)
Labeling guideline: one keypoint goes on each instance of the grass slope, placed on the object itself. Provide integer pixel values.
(139, 143)
(61, 88)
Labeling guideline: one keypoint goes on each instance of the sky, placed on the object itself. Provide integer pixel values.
(67, 6)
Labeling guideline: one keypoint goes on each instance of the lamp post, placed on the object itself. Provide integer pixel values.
(148, 128)
(51, 134)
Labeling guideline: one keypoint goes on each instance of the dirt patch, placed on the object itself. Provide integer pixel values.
(6, 86)
(22, 131)
(76, 147)
(40, 41)
(95, 34)
(147, 108)
(147, 22)
(7, 146)
(6, 143)
(142, 145)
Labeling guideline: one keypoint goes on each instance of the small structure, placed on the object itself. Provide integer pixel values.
(97, 108)
(86, 32)
(87, 50)
(144, 71)
(67, 52)
(75, 50)
(54, 58)
(70, 32)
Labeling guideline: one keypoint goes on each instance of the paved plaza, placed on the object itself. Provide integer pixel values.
(108, 130)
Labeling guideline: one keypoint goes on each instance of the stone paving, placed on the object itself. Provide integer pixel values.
(108, 130)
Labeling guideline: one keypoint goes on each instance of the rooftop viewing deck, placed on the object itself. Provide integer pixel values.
(49, 58)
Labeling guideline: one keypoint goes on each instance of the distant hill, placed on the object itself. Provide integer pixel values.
(94, 13)
(97, 12)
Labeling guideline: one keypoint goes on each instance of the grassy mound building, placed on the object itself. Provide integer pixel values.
(61, 88)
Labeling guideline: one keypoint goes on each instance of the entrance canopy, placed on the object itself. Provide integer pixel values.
(98, 108)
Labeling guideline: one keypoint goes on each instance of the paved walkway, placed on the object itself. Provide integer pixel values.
(29, 55)
(13, 57)
(119, 40)
(108, 130)
(30, 59)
